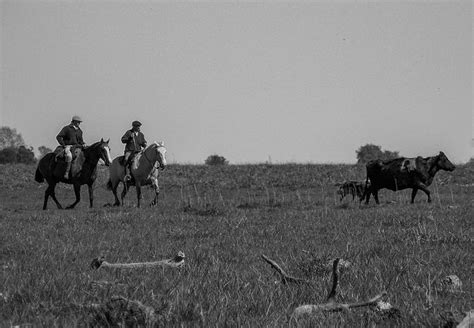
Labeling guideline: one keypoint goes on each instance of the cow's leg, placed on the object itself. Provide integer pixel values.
(427, 192)
(413, 194)
(376, 196)
(156, 188)
(367, 193)
(77, 192)
(91, 195)
(139, 192)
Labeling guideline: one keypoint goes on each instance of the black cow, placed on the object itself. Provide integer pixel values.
(402, 173)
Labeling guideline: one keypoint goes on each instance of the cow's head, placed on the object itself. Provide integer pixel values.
(444, 163)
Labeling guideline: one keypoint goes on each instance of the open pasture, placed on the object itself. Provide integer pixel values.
(224, 219)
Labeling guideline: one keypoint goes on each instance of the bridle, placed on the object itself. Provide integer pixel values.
(146, 157)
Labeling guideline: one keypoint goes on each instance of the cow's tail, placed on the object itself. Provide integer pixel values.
(38, 176)
(109, 184)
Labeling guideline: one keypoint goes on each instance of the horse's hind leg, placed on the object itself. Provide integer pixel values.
(91, 195)
(124, 193)
(46, 196)
(114, 191)
(50, 192)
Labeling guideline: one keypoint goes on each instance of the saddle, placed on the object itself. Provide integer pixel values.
(132, 160)
(77, 158)
(60, 153)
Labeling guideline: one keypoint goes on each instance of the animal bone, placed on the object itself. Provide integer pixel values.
(175, 262)
(332, 305)
(285, 278)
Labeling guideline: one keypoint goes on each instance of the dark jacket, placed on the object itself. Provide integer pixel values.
(69, 135)
(133, 143)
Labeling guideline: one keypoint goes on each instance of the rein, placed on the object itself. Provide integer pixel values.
(149, 161)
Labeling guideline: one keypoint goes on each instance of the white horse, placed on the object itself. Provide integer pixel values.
(144, 171)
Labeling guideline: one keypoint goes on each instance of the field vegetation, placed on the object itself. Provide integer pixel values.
(224, 218)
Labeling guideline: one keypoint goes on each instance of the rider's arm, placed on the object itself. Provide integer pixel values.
(143, 144)
(126, 137)
(60, 136)
(80, 141)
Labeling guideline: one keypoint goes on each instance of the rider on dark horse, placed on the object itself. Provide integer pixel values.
(134, 141)
(70, 136)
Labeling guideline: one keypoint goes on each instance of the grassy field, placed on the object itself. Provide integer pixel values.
(224, 219)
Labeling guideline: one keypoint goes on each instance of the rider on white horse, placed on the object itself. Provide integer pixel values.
(134, 141)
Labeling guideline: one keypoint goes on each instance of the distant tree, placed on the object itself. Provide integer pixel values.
(25, 155)
(43, 150)
(8, 155)
(10, 138)
(370, 152)
(216, 160)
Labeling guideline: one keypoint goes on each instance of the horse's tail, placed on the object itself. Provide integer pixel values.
(109, 184)
(38, 176)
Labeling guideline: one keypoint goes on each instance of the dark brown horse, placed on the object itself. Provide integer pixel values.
(52, 170)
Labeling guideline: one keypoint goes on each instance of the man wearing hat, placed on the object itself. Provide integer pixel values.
(70, 135)
(134, 142)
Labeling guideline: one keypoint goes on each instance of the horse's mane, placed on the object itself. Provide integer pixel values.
(95, 144)
(155, 144)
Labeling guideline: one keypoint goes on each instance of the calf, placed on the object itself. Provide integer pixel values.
(354, 188)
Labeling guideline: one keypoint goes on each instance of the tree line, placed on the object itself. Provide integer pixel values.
(14, 150)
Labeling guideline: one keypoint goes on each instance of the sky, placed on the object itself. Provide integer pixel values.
(254, 82)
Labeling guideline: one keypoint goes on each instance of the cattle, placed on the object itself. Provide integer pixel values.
(402, 173)
(354, 188)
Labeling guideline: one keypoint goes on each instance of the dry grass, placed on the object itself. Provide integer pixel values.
(224, 219)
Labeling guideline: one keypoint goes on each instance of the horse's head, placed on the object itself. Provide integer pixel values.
(161, 154)
(104, 151)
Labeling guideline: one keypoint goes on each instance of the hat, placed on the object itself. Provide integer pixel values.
(136, 123)
(76, 118)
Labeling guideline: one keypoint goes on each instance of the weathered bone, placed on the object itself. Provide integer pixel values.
(332, 305)
(285, 278)
(175, 262)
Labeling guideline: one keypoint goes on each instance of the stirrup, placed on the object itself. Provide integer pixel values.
(127, 178)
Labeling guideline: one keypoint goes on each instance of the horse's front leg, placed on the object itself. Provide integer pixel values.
(77, 192)
(139, 192)
(156, 188)
(91, 195)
